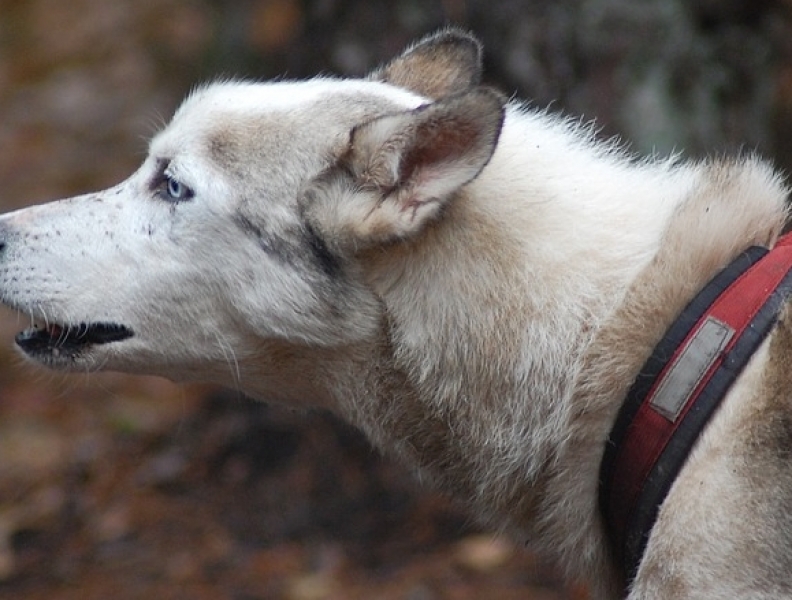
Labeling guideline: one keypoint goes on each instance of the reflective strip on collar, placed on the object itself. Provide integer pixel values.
(690, 366)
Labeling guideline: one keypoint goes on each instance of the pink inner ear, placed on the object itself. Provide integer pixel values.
(437, 141)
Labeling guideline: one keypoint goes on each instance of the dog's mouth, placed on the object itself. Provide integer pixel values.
(67, 341)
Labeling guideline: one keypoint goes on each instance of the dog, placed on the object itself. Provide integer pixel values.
(473, 283)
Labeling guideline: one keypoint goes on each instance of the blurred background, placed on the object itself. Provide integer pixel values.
(113, 486)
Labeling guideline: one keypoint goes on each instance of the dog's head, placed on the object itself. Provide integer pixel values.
(247, 219)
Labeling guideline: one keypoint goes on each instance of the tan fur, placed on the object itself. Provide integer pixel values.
(451, 64)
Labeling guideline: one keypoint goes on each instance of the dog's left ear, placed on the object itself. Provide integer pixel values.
(400, 170)
(442, 64)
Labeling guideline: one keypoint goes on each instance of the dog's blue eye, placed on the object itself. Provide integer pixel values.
(176, 190)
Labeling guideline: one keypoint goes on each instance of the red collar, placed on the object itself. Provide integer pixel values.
(679, 388)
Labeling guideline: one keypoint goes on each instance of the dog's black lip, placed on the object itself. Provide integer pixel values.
(70, 339)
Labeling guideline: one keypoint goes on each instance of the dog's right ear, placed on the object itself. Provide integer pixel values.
(442, 64)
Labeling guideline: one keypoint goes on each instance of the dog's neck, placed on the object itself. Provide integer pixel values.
(471, 376)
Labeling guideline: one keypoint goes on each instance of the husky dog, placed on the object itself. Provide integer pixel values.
(472, 283)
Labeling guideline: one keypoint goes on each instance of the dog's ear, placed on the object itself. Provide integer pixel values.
(442, 64)
(400, 170)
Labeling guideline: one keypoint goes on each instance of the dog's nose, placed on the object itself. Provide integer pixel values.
(4, 235)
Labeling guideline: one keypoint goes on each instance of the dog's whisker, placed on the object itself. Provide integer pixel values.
(229, 356)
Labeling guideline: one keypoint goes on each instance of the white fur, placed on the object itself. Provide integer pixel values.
(483, 325)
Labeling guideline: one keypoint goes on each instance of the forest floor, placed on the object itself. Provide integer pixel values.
(121, 487)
